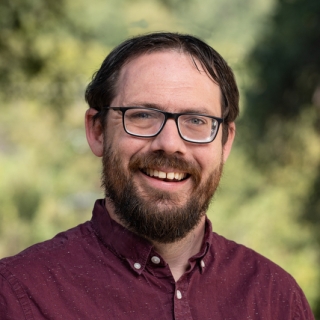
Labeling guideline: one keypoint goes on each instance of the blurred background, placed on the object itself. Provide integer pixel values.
(269, 197)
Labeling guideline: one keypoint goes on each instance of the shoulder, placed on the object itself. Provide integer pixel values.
(228, 250)
(253, 275)
(231, 255)
(30, 271)
(48, 252)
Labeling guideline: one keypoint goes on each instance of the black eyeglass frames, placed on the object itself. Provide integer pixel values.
(148, 122)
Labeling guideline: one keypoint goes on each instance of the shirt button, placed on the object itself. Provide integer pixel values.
(179, 295)
(137, 266)
(202, 264)
(155, 260)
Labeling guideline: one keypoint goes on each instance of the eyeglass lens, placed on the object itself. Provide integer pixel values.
(148, 122)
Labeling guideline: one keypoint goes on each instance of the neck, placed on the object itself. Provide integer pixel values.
(176, 254)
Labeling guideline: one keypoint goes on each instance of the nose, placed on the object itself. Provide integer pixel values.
(169, 140)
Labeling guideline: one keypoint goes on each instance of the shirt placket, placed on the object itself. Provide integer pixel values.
(181, 301)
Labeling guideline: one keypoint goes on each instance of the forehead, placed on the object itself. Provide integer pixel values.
(170, 79)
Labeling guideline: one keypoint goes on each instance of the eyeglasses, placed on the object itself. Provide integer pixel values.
(148, 122)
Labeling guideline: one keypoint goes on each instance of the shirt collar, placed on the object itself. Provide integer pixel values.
(130, 246)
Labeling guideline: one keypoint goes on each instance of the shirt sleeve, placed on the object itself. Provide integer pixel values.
(13, 301)
(302, 310)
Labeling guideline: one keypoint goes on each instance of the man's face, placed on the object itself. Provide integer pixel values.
(153, 204)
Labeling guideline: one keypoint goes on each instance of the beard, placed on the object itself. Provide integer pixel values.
(154, 214)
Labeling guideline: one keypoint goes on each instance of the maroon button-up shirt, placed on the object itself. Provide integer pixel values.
(100, 270)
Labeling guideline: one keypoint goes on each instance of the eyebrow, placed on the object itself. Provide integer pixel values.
(161, 108)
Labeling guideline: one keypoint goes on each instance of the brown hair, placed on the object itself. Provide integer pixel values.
(102, 89)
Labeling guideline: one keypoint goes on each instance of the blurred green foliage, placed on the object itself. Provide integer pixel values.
(282, 113)
(269, 197)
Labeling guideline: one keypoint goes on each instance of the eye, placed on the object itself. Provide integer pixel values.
(195, 120)
(141, 115)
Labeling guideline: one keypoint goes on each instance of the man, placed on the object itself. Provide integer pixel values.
(161, 116)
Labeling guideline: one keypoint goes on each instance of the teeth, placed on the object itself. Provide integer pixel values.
(162, 175)
(170, 175)
(165, 175)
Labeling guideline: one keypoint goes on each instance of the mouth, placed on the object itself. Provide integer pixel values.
(165, 176)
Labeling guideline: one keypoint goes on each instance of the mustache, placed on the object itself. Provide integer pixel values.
(161, 159)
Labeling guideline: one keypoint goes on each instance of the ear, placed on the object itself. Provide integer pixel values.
(228, 145)
(94, 132)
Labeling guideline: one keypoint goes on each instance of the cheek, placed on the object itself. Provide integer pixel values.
(127, 146)
(121, 143)
(209, 158)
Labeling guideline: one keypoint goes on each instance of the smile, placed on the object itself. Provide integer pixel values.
(173, 176)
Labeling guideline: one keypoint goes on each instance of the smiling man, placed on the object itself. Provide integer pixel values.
(161, 116)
